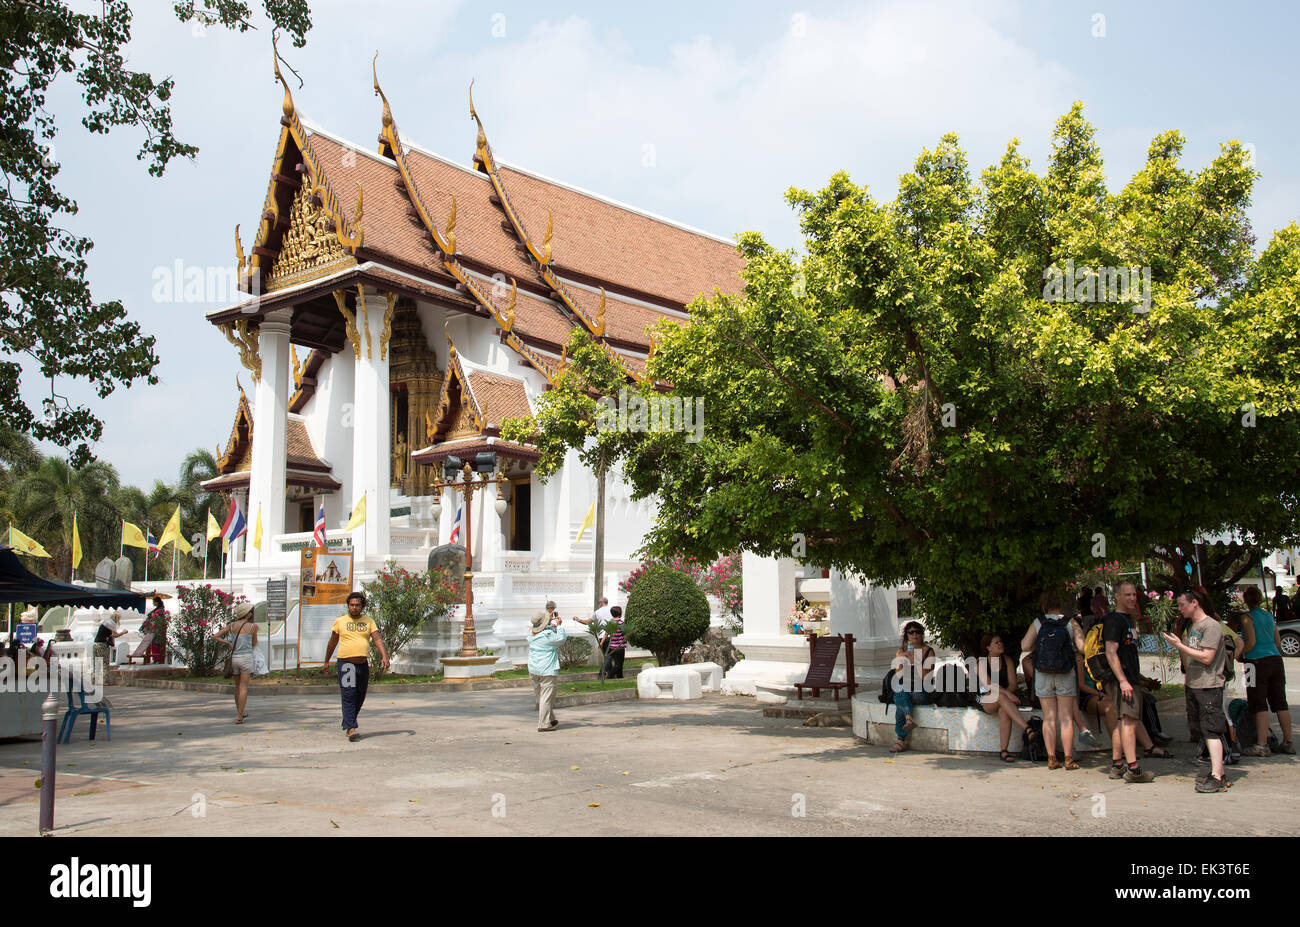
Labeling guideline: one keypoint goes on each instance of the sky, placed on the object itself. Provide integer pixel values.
(704, 113)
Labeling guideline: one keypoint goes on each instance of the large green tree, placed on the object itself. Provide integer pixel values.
(47, 311)
(952, 389)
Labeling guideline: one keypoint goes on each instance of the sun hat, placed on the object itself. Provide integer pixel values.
(243, 610)
(540, 621)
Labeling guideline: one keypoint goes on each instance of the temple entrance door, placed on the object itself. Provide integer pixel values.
(521, 515)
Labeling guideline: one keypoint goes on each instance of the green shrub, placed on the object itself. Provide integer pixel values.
(666, 613)
(574, 652)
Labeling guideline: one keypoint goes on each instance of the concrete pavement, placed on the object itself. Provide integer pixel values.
(472, 763)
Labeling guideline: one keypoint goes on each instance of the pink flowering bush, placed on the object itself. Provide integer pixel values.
(401, 602)
(204, 611)
(721, 580)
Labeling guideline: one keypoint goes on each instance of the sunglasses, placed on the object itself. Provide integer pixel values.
(914, 631)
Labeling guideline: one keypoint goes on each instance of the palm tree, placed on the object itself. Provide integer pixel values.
(197, 467)
(18, 455)
(46, 498)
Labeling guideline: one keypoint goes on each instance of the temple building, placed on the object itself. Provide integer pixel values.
(405, 306)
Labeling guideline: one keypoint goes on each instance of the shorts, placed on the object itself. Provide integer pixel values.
(1205, 717)
(242, 662)
(1269, 691)
(1050, 685)
(1125, 709)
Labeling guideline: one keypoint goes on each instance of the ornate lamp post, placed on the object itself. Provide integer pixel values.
(484, 463)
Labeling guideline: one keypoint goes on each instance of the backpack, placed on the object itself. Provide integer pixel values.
(1094, 656)
(887, 688)
(1033, 750)
(1054, 652)
(952, 687)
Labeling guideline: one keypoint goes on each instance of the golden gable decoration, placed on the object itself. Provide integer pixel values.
(310, 248)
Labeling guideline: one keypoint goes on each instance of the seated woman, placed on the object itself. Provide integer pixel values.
(997, 692)
(913, 661)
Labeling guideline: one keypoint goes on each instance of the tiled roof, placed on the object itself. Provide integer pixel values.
(298, 450)
(498, 398)
(612, 243)
(388, 230)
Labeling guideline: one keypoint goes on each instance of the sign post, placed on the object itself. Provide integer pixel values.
(277, 609)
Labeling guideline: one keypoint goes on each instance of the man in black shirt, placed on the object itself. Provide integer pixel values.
(1120, 636)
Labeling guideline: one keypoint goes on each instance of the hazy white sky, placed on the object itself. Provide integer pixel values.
(704, 113)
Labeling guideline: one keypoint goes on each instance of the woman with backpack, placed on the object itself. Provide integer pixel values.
(997, 675)
(913, 661)
(1054, 639)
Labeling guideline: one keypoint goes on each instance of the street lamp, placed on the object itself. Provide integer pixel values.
(484, 464)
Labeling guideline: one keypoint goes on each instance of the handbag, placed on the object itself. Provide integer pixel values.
(228, 670)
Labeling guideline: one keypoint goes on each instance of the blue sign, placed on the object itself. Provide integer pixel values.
(26, 634)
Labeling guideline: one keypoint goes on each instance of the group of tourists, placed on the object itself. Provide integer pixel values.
(1087, 663)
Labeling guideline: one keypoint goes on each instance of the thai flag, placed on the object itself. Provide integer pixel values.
(235, 523)
(153, 545)
(319, 534)
(455, 528)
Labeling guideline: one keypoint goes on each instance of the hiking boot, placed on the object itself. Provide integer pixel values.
(1286, 747)
(1257, 750)
(1116, 772)
(1211, 784)
(1142, 775)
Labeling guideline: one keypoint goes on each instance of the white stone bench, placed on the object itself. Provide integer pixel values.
(677, 682)
(938, 730)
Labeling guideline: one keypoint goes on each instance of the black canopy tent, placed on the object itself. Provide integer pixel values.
(18, 584)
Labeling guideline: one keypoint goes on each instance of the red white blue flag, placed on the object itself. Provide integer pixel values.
(319, 534)
(455, 528)
(154, 549)
(235, 524)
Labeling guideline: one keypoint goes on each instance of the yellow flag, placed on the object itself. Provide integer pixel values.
(172, 533)
(358, 515)
(25, 545)
(257, 531)
(587, 522)
(132, 536)
(214, 527)
(76, 543)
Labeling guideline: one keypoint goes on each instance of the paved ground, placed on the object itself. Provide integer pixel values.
(471, 763)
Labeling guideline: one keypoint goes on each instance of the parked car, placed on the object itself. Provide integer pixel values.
(1289, 631)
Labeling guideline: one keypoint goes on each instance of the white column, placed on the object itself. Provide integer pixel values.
(492, 547)
(270, 421)
(370, 433)
(773, 655)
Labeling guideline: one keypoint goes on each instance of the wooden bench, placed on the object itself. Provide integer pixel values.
(824, 652)
(144, 651)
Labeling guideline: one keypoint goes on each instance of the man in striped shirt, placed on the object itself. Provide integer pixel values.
(617, 645)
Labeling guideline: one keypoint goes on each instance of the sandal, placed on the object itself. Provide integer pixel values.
(1070, 763)
(1159, 753)
(1006, 757)
(1053, 763)
(898, 747)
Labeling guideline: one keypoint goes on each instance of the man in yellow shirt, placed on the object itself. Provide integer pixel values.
(352, 634)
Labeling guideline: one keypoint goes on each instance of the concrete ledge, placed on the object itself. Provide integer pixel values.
(593, 698)
(938, 730)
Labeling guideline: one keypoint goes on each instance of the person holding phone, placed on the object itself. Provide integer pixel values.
(912, 663)
(544, 665)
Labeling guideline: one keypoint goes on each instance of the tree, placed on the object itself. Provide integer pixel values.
(666, 613)
(49, 496)
(47, 311)
(927, 396)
